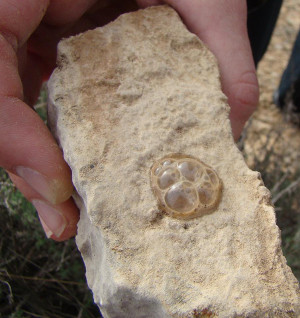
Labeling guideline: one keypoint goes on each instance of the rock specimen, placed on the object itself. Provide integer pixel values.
(123, 97)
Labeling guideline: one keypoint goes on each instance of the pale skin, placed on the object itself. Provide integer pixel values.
(29, 33)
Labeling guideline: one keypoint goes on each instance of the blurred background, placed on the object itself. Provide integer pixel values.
(42, 278)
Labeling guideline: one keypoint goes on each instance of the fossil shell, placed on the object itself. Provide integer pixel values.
(185, 186)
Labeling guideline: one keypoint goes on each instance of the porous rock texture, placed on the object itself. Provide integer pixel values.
(122, 97)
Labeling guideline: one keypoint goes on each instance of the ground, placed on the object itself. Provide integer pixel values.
(270, 143)
(268, 121)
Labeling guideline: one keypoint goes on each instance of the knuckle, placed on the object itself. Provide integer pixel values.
(246, 92)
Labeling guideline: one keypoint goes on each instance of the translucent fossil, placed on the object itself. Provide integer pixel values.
(185, 186)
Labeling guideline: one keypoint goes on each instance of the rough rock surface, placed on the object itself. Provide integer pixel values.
(122, 97)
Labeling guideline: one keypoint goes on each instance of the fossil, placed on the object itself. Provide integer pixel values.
(185, 186)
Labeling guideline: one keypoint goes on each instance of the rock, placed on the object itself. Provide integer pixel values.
(123, 97)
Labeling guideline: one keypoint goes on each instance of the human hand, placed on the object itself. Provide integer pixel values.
(29, 33)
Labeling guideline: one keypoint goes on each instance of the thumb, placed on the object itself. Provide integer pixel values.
(222, 26)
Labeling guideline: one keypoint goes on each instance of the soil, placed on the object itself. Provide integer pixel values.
(268, 130)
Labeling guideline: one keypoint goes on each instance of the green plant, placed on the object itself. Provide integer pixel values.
(38, 277)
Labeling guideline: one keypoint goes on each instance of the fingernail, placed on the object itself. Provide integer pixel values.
(38, 182)
(47, 231)
(52, 220)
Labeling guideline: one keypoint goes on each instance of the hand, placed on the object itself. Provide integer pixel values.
(29, 33)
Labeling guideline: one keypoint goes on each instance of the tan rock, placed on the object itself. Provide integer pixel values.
(124, 96)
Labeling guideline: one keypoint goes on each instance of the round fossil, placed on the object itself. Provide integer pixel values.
(185, 186)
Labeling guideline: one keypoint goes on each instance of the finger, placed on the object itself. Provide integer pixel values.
(18, 19)
(62, 12)
(59, 221)
(222, 26)
(147, 3)
(27, 148)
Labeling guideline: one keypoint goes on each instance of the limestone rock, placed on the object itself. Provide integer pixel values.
(124, 96)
